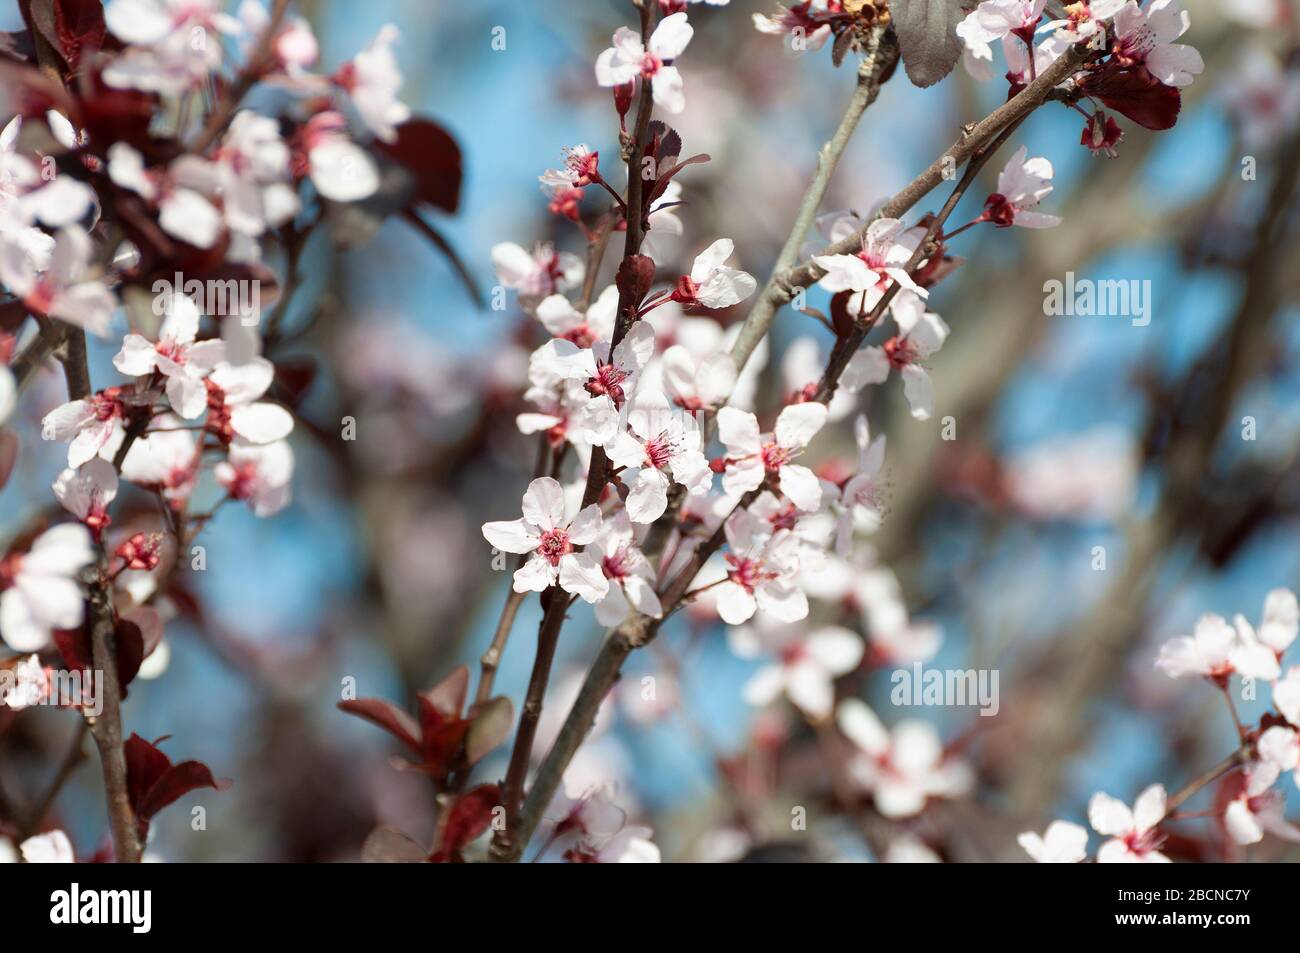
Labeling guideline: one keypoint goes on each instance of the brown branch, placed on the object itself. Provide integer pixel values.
(261, 59)
(106, 728)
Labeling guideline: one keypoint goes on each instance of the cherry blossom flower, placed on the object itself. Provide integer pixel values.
(922, 337)
(583, 328)
(1085, 18)
(550, 540)
(1146, 36)
(887, 247)
(702, 385)
(1257, 808)
(86, 493)
(628, 58)
(539, 274)
(259, 474)
(712, 284)
(753, 457)
(372, 81)
(1262, 96)
(340, 169)
(1061, 843)
(590, 814)
(631, 577)
(1022, 184)
(997, 19)
(806, 665)
(860, 497)
(49, 848)
(41, 592)
(1279, 746)
(804, 19)
(92, 425)
(631, 845)
(1286, 695)
(174, 44)
(234, 410)
(253, 167)
(295, 46)
(659, 442)
(607, 384)
(901, 769)
(1217, 650)
(1280, 623)
(166, 458)
(762, 570)
(182, 361)
(31, 685)
(183, 211)
(60, 291)
(1134, 835)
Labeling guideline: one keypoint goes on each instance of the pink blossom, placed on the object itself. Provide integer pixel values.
(1134, 835)
(182, 361)
(550, 542)
(1146, 35)
(1061, 843)
(260, 475)
(63, 290)
(753, 457)
(658, 443)
(41, 592)
(631, 577)
(806, 664)
(628, 58)
(713, 284)
(923, 335)
(86, 493)
(1022, 184)
(762, 571)
(901, 769)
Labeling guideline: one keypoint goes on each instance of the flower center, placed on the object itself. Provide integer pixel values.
(900, 352)
(650, 64)
(555, 543)
(658, 451)
(775, 456)
(608, 382)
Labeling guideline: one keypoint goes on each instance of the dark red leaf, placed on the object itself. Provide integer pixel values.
(388, 717)
(1137, 94)
(431, 156)
(448, 696)
(79, 25)
(468, 818)
(153, 782)
(176, 782)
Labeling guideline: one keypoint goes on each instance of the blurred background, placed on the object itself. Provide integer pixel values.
(1071, 433)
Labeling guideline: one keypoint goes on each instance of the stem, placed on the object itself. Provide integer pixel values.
(106, 728)
(782, 288)
(71, 761)
(878, 59)
(261, 60)
(1184, 794)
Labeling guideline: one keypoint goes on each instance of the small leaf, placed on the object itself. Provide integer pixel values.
(432, 157)
(467, 819)
(927, 37)
(491, 726)
(388, 717)
(448, 696)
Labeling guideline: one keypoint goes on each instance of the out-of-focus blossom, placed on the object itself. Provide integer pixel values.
(1133, 834)
(805, 667)
(41, 592)
(901, 769)
(1061, 843)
